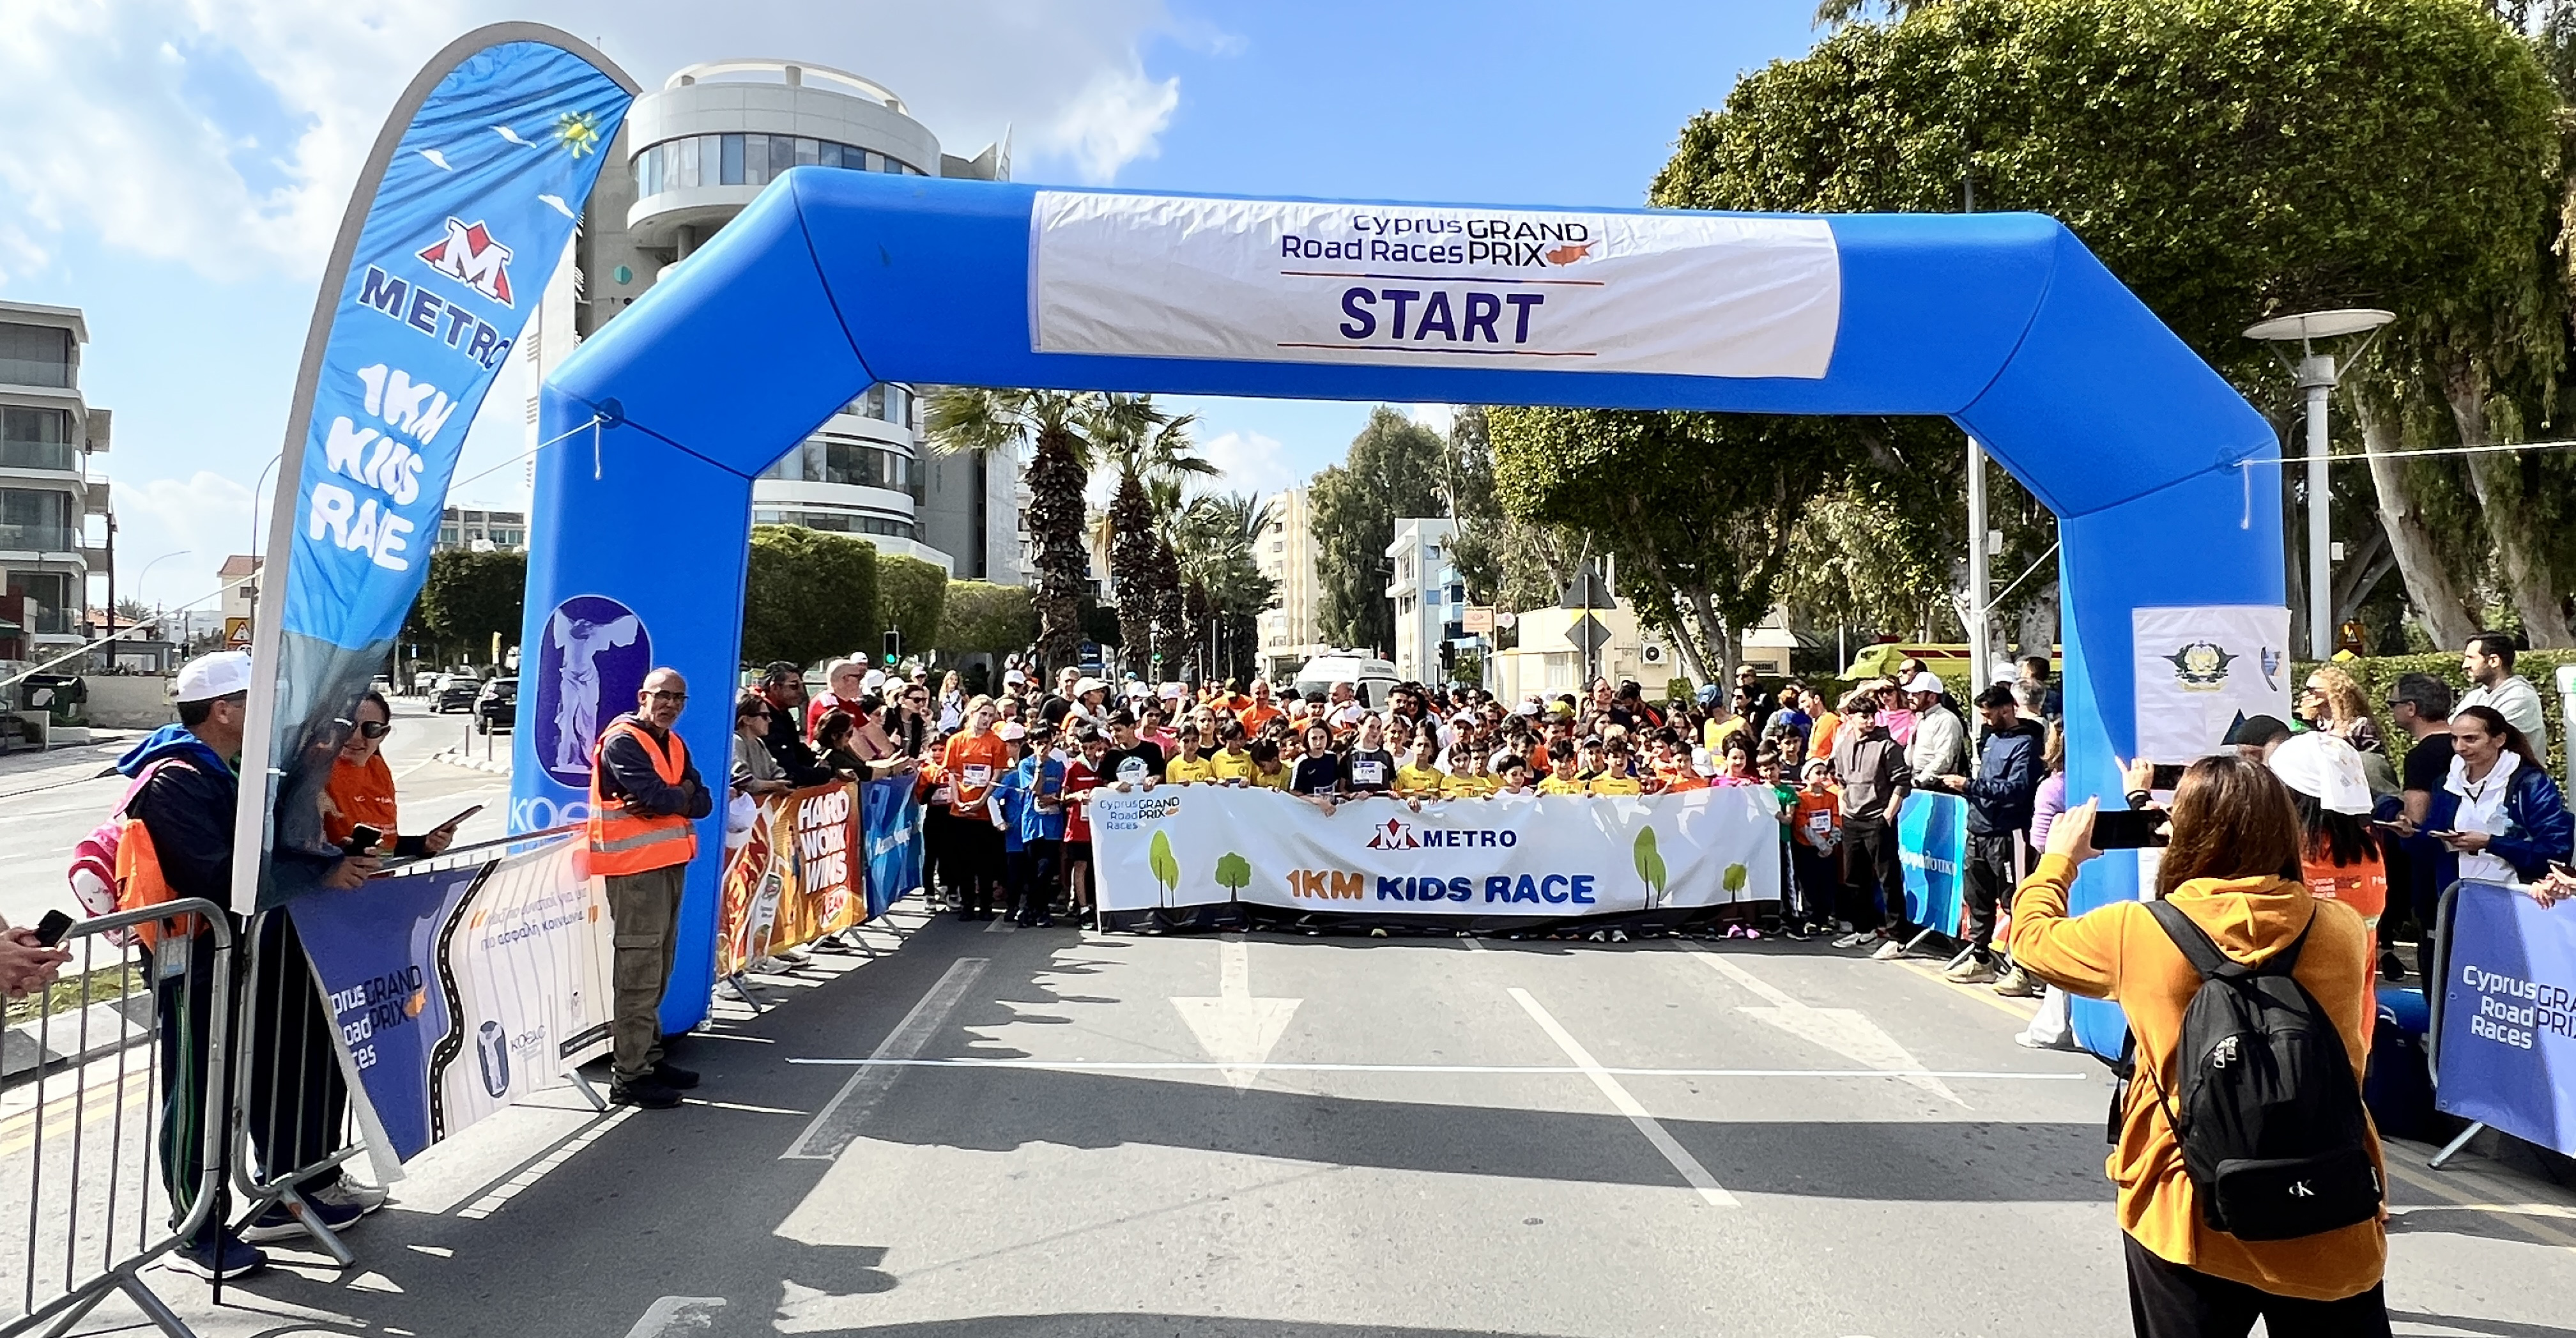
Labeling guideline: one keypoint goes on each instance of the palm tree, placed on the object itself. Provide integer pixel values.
(1146, 445)
(1065, 427)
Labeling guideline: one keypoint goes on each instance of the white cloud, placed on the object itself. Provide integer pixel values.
(206, 515)
(1114, 122)
(226, 133)
(1436, 417)
(1248, 462)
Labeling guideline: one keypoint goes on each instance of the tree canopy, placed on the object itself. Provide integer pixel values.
(978, 617)
(1393, 470)
(912, 595)
(466, 599)
(810, 595)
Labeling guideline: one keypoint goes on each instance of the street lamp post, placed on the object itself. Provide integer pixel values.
(2316, 375)
(158, 631)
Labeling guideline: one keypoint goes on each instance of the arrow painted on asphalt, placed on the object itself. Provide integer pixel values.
(1841, 1030)
(1234, 1027)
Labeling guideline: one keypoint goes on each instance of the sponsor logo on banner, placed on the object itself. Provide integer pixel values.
(468, 254)
(1315, 281)
(2202, 666)
(2188, 674)
(591, 664)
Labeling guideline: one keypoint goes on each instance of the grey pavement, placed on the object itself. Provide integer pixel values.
(1066, 1133)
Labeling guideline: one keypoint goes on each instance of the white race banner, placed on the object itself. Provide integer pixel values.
(1532, 855)
(2200, 670)
(1406, 285)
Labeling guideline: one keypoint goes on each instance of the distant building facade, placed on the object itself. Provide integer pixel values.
(48, 544)
(1286, 631)
(482, 530)
(1429, 597)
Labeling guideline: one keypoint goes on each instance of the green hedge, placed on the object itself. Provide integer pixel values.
(2379, 673)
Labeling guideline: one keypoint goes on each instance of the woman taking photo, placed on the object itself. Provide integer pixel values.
(2512, 820)
(2232, 870)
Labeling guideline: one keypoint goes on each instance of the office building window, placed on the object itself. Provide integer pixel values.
(35, 355)
(33, 520)
(745, 159)
(35, 438)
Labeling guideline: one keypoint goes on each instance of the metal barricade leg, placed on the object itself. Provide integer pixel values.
(290, 1099)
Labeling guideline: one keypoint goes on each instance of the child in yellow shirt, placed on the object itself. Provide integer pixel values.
(1619, 774)
(1468, 776)
(1231, 762)
(1419, 778)
(1568, 778)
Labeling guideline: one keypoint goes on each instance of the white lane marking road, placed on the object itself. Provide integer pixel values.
(1842, 1030)
(837, 1123)
(675, 1315)
(1235, 1028)
(1503, 1070)
(1680, 1157)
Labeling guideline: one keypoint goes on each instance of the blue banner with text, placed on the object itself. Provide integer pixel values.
(2507, 1053)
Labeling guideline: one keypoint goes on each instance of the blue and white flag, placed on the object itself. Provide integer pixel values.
(456, 226)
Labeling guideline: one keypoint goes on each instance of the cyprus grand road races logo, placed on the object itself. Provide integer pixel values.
(469, 254)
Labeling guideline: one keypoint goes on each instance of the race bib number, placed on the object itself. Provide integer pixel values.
(1368, 773)
(978, 776)
(1132, 771)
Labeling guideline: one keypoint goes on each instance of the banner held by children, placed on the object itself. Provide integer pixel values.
(1538, 856)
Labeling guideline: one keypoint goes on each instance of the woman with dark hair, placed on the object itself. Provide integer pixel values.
(1318, 775)
(361, 788)
(2511, 819)
(834, 736)
(2233, 869)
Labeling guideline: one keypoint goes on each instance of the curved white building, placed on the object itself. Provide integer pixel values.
(696, 152)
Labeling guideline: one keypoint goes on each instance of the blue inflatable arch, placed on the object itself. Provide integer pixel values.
(2003, 323)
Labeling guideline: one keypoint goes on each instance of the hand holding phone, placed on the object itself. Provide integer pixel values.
(50, 930)
(2130, 829)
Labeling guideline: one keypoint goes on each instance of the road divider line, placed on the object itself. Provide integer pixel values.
(1680, 1157)
(1497, 1070)
(837, 1123)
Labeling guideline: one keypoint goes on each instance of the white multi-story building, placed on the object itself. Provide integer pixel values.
(480, 530)
(696, 152)
(48, 543)
(1286, 630)
(1429, 597)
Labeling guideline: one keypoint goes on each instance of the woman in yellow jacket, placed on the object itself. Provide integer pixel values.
(2233, 868)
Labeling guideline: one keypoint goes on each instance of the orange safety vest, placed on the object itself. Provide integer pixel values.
(623, 842)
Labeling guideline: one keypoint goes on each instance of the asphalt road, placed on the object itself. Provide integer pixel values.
(1000, 1134)
(49, 801)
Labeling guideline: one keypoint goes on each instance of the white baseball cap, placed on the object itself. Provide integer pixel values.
(1926, 681)
(218, 675)
(1011, 729)
(875, 679)
(1085, 687)
(2326, 769)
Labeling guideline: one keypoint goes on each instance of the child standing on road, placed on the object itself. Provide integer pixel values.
(1815, 848)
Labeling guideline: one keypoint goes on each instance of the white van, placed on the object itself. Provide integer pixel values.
(1372, 678)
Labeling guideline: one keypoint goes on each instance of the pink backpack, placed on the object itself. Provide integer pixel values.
(93, 866)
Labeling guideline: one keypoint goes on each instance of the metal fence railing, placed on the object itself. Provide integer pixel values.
(112, 1119)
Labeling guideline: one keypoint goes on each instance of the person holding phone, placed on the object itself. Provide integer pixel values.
(2511, 819)
(360, 792)
(28, 962)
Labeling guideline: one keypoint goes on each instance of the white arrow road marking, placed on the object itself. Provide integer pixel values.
(675, 1315)
(1235, 1028)
(1841, 1030)
(1680, 1157)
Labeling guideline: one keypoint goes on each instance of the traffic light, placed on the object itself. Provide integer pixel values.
(894, 647)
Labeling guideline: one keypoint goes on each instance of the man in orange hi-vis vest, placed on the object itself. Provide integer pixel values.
(644, 797)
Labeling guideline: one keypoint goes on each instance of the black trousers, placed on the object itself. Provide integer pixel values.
(1988, 880)
(1873, 884)
(1034, 873)
(974, 863)
(2167, 1300)
(1819, 882)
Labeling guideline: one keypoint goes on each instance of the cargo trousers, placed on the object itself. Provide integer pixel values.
(644, 909)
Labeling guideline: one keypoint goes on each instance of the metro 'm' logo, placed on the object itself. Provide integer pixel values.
(468, 253)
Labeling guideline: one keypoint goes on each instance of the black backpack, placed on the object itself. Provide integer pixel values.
(2270, 1120)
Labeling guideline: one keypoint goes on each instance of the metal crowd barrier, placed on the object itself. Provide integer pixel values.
(111, 1116)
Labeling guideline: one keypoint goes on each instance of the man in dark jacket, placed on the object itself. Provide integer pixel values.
(185, 801)
(782, 685)
(1999, 803)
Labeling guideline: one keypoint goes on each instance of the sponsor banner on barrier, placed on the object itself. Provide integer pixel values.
(1932, 848)
(1538, 855)
(457, 992)
(890, 820)
(2507, 1053)
(2201, 669)
(1421, 285)
(796, 880)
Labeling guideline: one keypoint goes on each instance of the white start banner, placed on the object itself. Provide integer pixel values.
(2199, 670)
(1690, 294)
(1528, 855)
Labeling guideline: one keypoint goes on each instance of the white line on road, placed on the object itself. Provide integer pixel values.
(675, 1315)
(1500, 1070)
(1680, 1157)
(1001, 925)
(837, 1123)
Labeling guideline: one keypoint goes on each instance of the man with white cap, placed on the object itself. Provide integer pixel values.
(185, 793)
(1939, 746)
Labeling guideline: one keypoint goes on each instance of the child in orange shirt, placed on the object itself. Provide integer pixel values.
(1815, 848)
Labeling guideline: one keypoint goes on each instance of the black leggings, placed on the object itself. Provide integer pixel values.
(2168, 1300)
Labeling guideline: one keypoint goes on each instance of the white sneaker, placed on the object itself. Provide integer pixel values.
(1852, 939)
(351, 1194)
(1970, 972)
(1888, 951)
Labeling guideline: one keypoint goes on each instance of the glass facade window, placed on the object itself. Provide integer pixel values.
(35, 355)
(884, 402)
(747, 159)
(851, 461)
(36, 520)
(50, 590)
(837, 522)
(35, 438)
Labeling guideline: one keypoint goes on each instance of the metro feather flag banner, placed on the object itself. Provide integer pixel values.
(466, 204)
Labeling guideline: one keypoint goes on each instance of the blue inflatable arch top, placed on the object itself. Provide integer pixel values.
(832, 280)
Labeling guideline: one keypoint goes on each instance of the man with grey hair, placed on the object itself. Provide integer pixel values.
(845, 682)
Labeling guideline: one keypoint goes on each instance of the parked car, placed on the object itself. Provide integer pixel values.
(455, 692)
(498, 708)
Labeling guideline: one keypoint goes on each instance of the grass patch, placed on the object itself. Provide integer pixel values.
(65, 997)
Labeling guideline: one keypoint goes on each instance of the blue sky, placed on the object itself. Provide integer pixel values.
(177, 168)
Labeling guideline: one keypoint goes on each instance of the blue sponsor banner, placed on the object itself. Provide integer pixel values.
(1932, 846)
(455, 228)
(890, 818)
(2507, 1052)
(377, 952)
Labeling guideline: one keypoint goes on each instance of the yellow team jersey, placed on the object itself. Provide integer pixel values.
(1413, 782)
(1273, 780)
(1471, 787)
(1617, 785)
(1229, 766)
(1183, 771)
(1560, 785)
(1716, 732)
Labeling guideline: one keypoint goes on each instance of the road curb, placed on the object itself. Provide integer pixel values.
(454, 758)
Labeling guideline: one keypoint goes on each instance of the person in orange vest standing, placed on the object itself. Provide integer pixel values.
(645, 796)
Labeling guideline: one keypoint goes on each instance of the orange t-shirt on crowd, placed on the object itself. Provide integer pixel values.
(2363, 886)
(357, 795)
(974, 763)
(1253, 717)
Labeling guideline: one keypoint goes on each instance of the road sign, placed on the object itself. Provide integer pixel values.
(1588, 591)
(237, 634)
(1506, 618)
(1477, 621)
(1589, 634)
